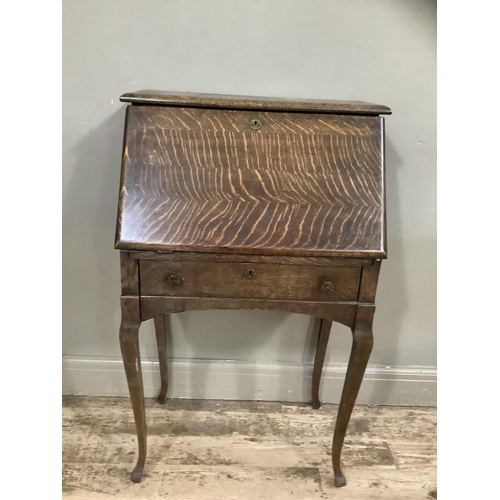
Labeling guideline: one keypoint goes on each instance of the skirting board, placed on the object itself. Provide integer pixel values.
(238, 380)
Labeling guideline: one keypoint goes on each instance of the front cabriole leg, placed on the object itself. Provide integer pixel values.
(362, 343)
(129, 343)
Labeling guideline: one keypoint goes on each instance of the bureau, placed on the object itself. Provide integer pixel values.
(250, 203)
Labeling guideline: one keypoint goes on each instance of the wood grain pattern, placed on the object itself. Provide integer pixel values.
(229, 204)
(202, 180)
(129, 274)
(258, 259)
(220, 279)
(369, 282)
(245, 450)
(187, 99)
(129, 344)
(362, 344)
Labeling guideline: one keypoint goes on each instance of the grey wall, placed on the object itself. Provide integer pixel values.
(381, 51)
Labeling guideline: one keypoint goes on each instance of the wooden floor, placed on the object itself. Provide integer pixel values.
(245, 450)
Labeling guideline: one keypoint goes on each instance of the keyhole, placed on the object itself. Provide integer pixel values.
(255, 124)
(250, 274)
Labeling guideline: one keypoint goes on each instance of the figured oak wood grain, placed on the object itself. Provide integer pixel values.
(269, 281)
(251, 204)
(188, 99)
(202, 180)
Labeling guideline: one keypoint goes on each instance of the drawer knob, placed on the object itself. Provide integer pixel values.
(250, 274)
(255, 124)
(327, 287)
(174, 280)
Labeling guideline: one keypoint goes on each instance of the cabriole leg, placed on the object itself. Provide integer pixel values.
(129, 343)
(161, 342)
(362, 344)
(324, 334)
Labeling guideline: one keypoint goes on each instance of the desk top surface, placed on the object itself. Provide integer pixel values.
(204, 180)
(187, 99)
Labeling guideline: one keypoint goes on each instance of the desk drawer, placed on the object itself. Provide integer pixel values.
(242, 280)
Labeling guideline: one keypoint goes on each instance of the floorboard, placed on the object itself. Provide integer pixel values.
(245, 450)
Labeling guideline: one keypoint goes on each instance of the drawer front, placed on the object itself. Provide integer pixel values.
(242, 280)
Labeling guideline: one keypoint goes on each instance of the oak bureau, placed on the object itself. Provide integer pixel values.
(250, 203)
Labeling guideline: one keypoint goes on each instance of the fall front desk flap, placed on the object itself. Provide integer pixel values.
(204, 173)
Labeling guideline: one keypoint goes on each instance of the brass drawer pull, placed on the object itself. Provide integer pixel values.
(250, 274)
(255, 124)
(175, 280)
(327, 287)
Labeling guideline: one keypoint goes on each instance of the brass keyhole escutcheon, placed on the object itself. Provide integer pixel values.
(250, 274)
(174, 280)
(327, 287)
(255, 124)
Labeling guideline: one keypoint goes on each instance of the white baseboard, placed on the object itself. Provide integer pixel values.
(237, 380)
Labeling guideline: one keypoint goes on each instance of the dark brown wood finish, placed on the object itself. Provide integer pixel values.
(161, 342)
(193, 100)
(323, 336)
(202, 180)
(369, 280)
(341, 312)
(258, 259)
(129, 344)
(362, 344)
(250, 203)
(252, 281)
(130, 274)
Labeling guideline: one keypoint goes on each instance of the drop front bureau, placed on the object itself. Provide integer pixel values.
(250, 203)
